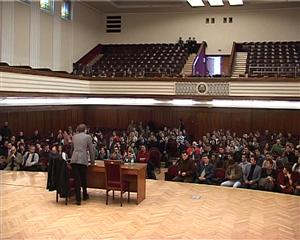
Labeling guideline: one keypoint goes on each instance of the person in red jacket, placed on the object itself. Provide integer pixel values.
(143, 155)
(285, 181)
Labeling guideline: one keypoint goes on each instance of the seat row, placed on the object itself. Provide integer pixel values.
(272, 59)
(138, 60)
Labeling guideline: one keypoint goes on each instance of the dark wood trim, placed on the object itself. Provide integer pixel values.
(90, 55)
(156, 96)
(232, 57)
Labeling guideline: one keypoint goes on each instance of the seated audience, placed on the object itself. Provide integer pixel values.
(186, 169)
(21, 149)
(116, 155)
(61, 153)
(36, 137)
(233, 175)
(252, 174)
(2, 162)
(260, 157)
(7, 148)
(13, 141)
(171, 172)
(21, 137)
(205, 171)
(14, 160)
(285, 181)
(30, 160)
(130, 157)
(296, 166)
(290, 154)
(43, 152)
(268, 176)
(281, 161)
(244, 162)
(222, 147)
(143, 155)
(277, 148)
(269, 157)
(103, 154)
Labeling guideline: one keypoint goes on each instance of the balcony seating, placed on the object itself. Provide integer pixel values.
(272, 59)
(137, 60)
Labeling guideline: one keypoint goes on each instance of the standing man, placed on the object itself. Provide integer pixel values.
(5, 131)
(82, 143)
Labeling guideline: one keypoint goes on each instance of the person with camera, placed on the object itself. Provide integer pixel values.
(14, 160)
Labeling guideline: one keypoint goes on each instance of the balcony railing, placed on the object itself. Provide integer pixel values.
(260, 71)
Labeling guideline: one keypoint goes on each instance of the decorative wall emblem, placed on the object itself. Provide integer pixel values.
(202, 88)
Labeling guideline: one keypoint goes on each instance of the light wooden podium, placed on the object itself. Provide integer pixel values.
(134, 173)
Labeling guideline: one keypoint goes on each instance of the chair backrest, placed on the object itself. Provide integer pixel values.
(113, 174)
(295, 176)
(155, 156)
(172, 147)
(219, 173)
(173, 170)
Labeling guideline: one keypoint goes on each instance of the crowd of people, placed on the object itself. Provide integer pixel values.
(267, 161)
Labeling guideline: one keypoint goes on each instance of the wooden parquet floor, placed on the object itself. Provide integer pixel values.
(170, 211)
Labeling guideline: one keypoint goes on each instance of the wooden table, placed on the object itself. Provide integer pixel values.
(134, 173)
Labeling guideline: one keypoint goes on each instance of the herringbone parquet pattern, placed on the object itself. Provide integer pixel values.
(170, 210)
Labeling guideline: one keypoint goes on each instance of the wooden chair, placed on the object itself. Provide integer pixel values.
(114, 179)
(70, 192)
(71, 185)
(155, 158)
(219, 176)
(172, 172)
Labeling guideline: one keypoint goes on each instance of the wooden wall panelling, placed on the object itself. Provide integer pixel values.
(281, 120)
(225, 65)
(197, 121)
(48, 120)
(240, 120)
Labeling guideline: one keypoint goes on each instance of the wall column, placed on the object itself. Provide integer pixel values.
(7, 32)
(34, 34)
(56, 37)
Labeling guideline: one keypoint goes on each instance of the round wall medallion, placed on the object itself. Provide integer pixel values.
(202, 88)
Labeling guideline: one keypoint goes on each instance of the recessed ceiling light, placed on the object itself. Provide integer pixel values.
(196, 3)
(215, 3)
(236, 2)
(182, 102)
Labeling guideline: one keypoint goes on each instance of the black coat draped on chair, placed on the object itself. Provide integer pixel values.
(58, 175)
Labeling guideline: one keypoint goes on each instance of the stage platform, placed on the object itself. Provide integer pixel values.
(170, 211)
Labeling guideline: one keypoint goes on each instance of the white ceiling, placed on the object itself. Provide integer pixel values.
(136, 6)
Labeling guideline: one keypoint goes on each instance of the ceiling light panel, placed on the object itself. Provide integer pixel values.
(215, 3)
(218, 103)
(196, 3)
(235, 2)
